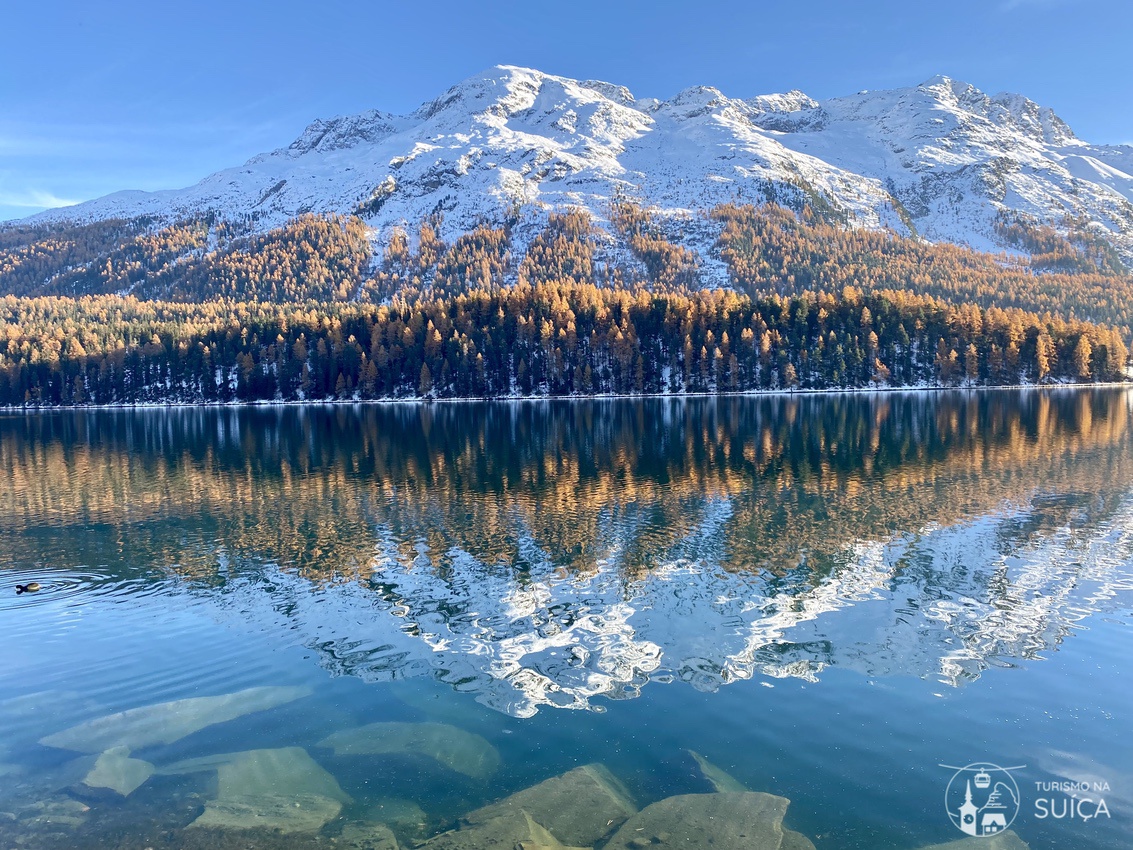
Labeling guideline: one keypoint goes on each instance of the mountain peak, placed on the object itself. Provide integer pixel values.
(940, 158)
(492, 86)
(504, 90)
(344, 131)
(1038, 123)
(943, 81)
(783, 103)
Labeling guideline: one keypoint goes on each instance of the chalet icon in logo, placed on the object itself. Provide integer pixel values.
(982, 799)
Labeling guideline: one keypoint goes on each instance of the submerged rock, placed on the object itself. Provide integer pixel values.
(795, 841)
(1003, 841)
(366, 836)
(167, 722)
(437, 706)
(720, 780)
(461, 751)
(282, 789)
(28, 717)
(115, 771)
(292, 813)
(578, 808)
(56, 812)
(510, 830)
(13, 709)
(729, 821)
(406, 815)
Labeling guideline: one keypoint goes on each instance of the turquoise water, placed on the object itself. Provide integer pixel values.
(826, 597)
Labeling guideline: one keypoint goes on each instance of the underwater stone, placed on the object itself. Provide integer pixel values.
(795, 841)
(277, 771)
(116, 771)
(464, 752)
(56, 812)
(167, 722)
(1003, 841)
(366, 836)
(282, 789)
(578, 808)
(721, 781)
(435, 708)
(406, 815)
(731, 821)
(512, 829)
(13, 709)
(292, 813)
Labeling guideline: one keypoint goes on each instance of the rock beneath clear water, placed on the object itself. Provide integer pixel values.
(56, 812)
(464, 752)
(720, 780)
(287, 770)
(49, 704)
(1003, 841)
(733, 821)
(27, 718)
(578, 808)
(294, 813)
(795, 841)
(204, 764)
(115, 771)
(436, 704)
(366, 836)
(167, 722)
(512, 829)
(283, 789)
(406, 815)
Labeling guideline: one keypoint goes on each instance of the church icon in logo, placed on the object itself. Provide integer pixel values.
(982, 799)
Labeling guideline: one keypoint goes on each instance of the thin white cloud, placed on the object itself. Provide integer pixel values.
(34, 199)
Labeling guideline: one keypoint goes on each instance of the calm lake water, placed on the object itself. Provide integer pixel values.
(828, 598)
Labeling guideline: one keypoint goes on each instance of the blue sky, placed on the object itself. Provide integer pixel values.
(104, 96)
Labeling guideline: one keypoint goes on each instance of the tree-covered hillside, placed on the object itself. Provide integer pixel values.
(547, 339)
(206, 311)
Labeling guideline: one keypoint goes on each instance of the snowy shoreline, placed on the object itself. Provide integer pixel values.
(417, 400)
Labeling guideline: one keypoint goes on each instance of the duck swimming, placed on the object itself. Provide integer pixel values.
(30, 587)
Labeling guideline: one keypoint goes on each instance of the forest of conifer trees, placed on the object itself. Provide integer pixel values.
(126, 312)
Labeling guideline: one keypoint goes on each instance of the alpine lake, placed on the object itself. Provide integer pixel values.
(888, 621)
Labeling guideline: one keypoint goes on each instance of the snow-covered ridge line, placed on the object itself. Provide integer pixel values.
(941, 159)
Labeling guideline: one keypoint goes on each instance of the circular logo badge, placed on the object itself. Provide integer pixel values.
(982, 799)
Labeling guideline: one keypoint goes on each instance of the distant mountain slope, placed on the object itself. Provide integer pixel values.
(942, 160)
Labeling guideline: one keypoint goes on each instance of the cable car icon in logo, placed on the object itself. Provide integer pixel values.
(982, 799)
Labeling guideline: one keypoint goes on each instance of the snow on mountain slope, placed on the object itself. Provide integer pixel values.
(941, 157)
(955, 157)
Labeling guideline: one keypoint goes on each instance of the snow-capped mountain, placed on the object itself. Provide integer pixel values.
(941, 159)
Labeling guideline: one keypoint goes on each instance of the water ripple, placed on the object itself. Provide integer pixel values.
(72, 587)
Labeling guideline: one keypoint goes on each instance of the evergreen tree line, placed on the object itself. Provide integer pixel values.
(771, 249)
(1079, 251)
(548, 339)
(767, 249)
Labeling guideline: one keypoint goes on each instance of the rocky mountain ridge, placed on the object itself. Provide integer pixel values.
(941, 160)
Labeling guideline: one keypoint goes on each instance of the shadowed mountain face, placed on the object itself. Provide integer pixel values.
(546, 554)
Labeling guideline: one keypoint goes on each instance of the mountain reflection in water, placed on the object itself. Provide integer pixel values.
(545, 554)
